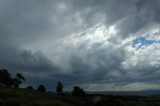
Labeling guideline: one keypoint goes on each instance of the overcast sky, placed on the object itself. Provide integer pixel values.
(101, 45)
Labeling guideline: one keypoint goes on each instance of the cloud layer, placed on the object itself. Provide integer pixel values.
(84, 42)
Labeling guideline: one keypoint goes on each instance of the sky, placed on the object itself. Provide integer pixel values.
(100, 45)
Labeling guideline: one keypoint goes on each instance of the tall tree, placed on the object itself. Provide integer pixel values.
(18, 80)
(59, 87)
(5, 78)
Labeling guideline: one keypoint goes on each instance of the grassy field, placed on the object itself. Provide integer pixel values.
(24, 97)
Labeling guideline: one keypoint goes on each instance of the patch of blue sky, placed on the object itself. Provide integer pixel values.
(142, 41)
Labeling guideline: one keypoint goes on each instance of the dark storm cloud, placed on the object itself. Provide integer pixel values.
(151, 6)
(146, 13)
(100, 65)
(24, 60)
(35, 25)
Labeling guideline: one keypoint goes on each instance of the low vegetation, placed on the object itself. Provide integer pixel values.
(26, 97)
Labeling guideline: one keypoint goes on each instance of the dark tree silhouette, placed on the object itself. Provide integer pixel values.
(59, 87)
(20, 76)
(77, 91)
(41, 88)
(5, 78)
(29, 87)
(18, 80)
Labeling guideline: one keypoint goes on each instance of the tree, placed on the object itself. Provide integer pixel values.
(77, 91)
(5, 78)
(59, 87)
(41, 88)
(29, 87)
(19, 76)
(18, 80)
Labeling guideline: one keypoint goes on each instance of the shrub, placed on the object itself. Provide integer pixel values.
(77, 91)
(41, 88)
(29, 88)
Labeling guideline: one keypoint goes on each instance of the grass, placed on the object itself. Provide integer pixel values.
(24, 97)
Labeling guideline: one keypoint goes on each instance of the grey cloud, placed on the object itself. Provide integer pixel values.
(146, 13)
(41, 24)
(24, 60)
(97, 64)
(152, 7)
(27, 20)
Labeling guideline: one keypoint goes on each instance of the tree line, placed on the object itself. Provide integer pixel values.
(6, 80)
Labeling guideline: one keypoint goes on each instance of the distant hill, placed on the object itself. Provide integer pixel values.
(148, 92)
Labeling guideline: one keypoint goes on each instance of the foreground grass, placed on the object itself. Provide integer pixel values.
(24, 97)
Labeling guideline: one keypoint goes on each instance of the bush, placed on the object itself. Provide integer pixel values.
(41, 88)
(29, 88)
(77, 91)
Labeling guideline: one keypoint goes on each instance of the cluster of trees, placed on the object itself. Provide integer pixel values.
(7, 80)
(77, 91)
(41, 88)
